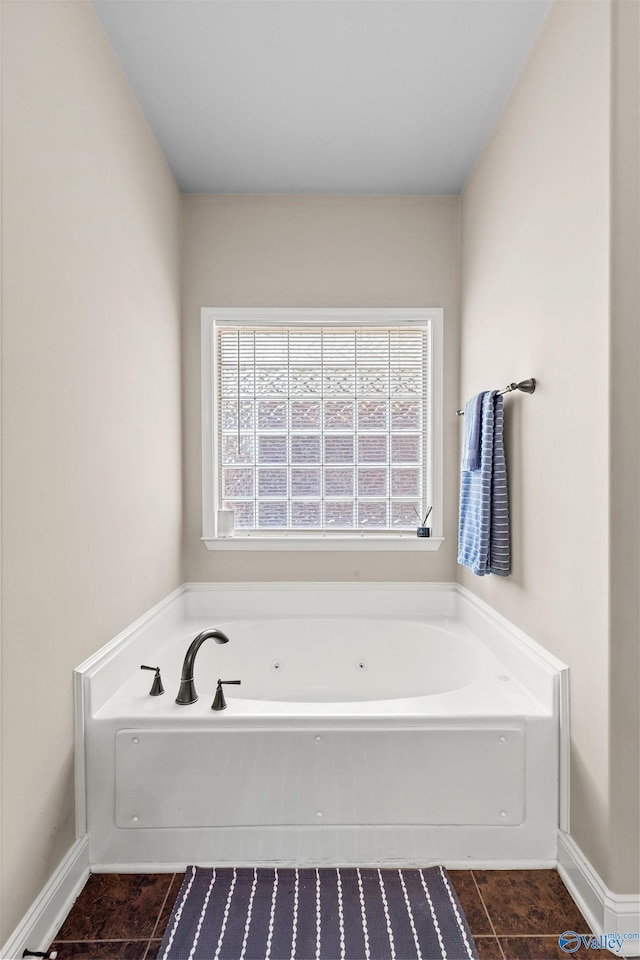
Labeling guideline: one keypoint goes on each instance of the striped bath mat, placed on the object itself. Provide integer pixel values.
(317, 914)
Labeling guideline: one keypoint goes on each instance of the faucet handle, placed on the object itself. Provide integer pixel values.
(219, 702)
(156, 687)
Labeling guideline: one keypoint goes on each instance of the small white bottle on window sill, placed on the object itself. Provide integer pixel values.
(226, 523)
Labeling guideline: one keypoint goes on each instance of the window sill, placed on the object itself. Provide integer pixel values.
(399, 542)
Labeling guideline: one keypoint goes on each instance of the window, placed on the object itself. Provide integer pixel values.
(321, 423)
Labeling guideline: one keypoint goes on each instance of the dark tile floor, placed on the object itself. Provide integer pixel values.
(513, 915)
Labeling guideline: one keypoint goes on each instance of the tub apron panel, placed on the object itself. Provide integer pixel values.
(169, 778)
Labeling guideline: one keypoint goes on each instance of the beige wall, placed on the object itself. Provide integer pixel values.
(91, 518)
(535, 302)
(307, 252)
(624, 415)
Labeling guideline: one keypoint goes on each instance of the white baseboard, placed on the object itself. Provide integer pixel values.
(180, 866)
(604, 911)
(49, 910)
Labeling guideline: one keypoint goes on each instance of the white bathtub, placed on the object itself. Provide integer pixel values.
(328, 660)
(403, 736)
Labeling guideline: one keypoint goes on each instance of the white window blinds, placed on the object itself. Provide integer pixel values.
(323, 427)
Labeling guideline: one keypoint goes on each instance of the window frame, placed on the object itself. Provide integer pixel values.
(326, 539)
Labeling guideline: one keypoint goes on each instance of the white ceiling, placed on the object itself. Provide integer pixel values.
(322, 96)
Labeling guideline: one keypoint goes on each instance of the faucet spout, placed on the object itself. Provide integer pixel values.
(187, 692)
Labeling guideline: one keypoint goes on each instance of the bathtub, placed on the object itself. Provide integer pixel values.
(371, 726)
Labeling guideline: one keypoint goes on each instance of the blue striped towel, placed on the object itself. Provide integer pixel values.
(471, 433)
(483, 533)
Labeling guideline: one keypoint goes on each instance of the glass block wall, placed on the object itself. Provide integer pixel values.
(323, 428)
